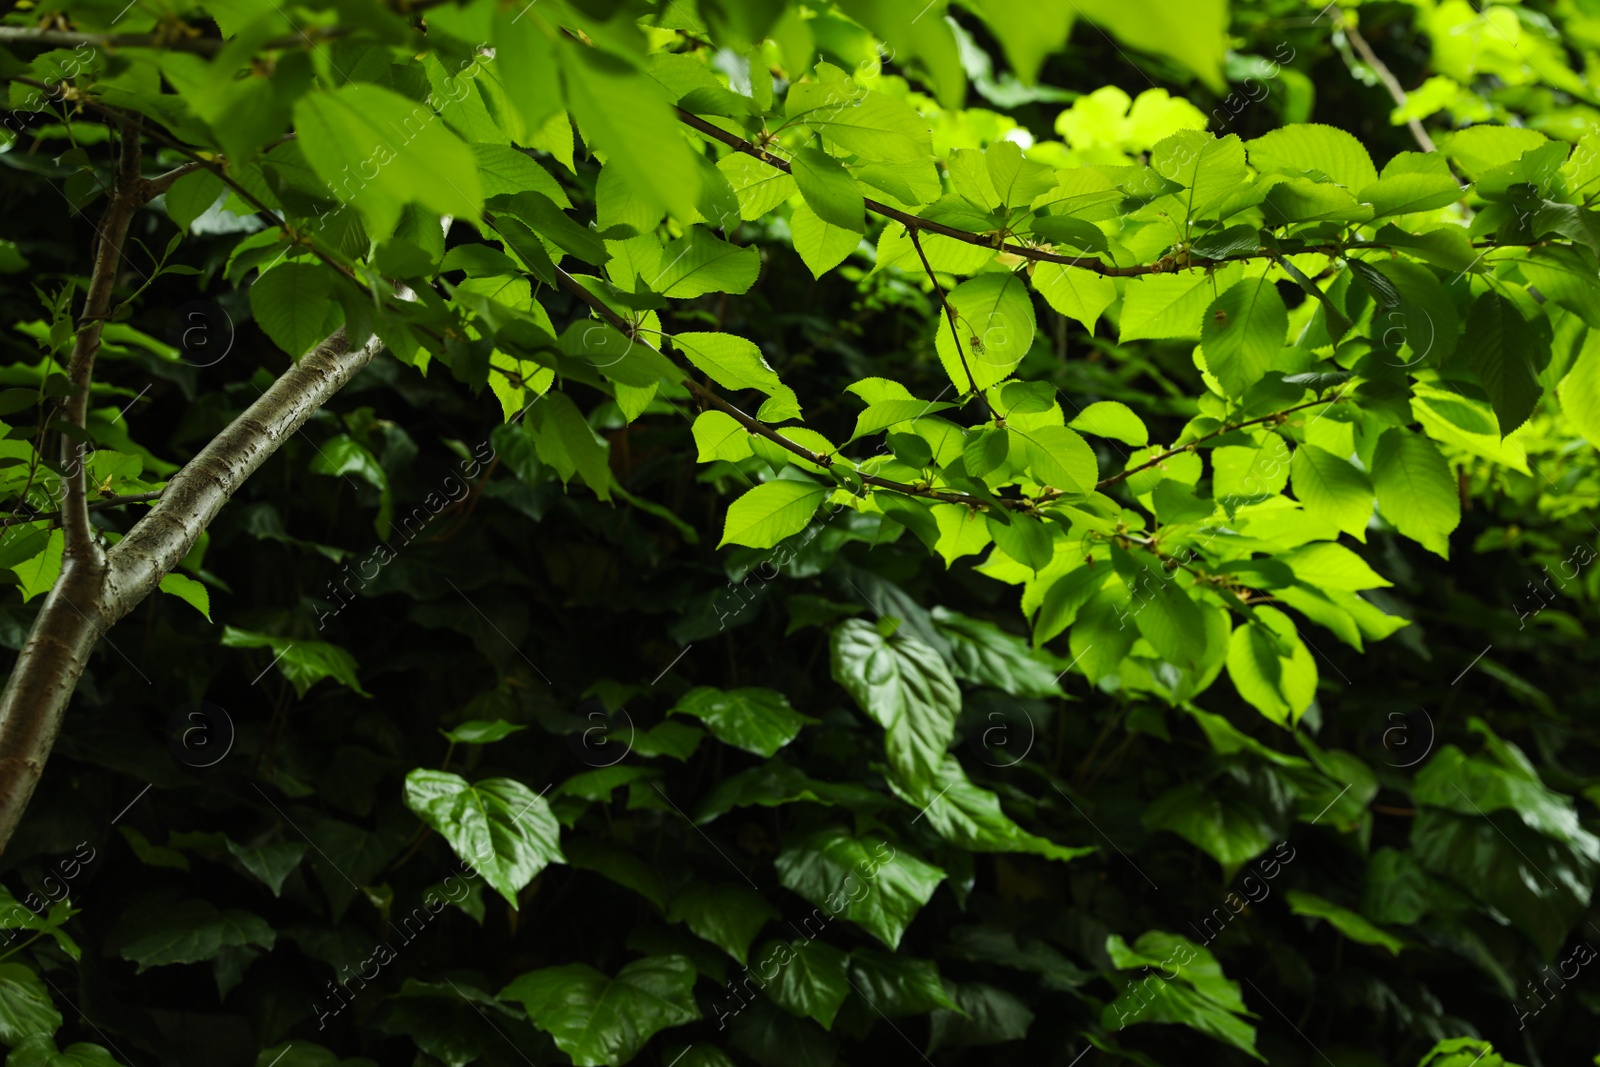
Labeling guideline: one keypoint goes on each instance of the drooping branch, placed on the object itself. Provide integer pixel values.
(1040, 255)
(761, 429)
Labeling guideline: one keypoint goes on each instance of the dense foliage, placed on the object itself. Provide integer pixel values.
(1047, 532)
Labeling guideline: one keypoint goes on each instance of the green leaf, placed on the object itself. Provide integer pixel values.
(153, 855)
(872, 125)
(1210, 169)
(984, 654)
(984, 1015)
(40, 564)
(1029, 33)
(565, 441)
(1566, 276)
(1164, 305)
(504, 169)
(479, 732)
(1231, 832)
(997, 324)
(896, 985)
(1426, 321)
(344, 455)
(1332, 489)
(1113, 419)
(731, 361)
(623, 115)
(1023, 538)
(807, 978)
(1349, 923)
(1507, 351)
(971, 818)
(1313, 149)
(501, 827)
(1080, 295)
(1196, 995)
(1412, 181)
(303, 663)
(1328, 565)
(883, 414)
(905, 687)
(1162, 609)
(191, 931)
(189, 591)
(1242, 333)
(191, 196)
(1541, 885)
(39, 1050)
(604, 1021)
(727, 915)
(770, 512)
(525, 60)
(1059, 458)
(25, 1007)
(1580, 390)
(1483, 147)
(1195, 34)
(821, 244)
(759, 186)
(1416, 491)
(293, 304)
(1271, 667)
(271, 862)
(1295, 200)
(552, 224)
(699, 262)
(864, 879)
(1064, 598)
(1242, 474)
(756, 720)
(413, 157)
(829, 190)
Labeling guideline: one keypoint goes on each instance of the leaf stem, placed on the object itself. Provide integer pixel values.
(950, 316)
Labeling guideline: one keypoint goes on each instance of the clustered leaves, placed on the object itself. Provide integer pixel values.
(1300, 366)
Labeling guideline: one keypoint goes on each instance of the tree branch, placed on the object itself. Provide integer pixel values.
(950, 315)
(88, 599)
(161, 183)
(127, 193)
(1396, 91)
(761, 429)
(1195, 444)
(94, 505)
(196, 493)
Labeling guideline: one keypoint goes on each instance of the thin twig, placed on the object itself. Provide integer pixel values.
(127, 194)
(950, 315)
(185, 38)
(1390, 82)
(97, 505)
(1195, 444)
(761, 429)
